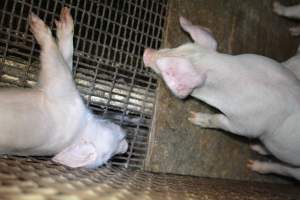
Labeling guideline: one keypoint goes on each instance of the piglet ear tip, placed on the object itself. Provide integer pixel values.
(80, 154)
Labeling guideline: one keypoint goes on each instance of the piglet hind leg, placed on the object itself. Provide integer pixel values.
(40, 31)
(273, 168)
(287, 11)
(295, 31)
(55, 77)
(64, 34)
(258, 148)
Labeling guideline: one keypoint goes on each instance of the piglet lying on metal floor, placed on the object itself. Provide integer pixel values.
(52, 118)
(257, 96)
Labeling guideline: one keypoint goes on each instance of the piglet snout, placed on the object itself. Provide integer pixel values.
(148, 57)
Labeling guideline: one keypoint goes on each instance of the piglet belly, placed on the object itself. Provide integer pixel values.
(23, 127)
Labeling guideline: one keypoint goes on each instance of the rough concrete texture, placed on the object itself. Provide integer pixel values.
(240, 26)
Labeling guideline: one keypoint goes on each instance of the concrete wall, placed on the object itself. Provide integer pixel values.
(240, 26)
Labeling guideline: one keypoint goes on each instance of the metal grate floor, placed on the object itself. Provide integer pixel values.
(26, 178)
(110, 36)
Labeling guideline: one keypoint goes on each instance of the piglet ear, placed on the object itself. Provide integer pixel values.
(180, 75)
(200, 35)
(77, 155)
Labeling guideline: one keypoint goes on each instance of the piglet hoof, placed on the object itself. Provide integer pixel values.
(201, 119)
(256, 166)
(278, 8)
(39, 29)
(193, 117)
(251, 165)
(65, 24)
(295, 31)
(193, 114)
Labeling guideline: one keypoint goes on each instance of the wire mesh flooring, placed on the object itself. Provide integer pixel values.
(36, 179)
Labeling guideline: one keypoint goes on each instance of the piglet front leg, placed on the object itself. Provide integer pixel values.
(273, 168)
(206, 120)
(290, 12)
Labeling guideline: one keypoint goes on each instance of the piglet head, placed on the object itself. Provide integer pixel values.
(179, 67)
(101, 140)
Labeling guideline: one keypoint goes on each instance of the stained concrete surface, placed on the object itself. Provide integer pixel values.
(240, 26)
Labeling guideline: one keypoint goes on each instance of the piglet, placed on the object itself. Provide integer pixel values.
(257, 96)
(52, 119)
